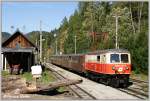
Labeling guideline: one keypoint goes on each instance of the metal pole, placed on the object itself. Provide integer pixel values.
(56, 46)
(116, 16)
(116, 32)
(75, 44)
(92, 21)
(40, 41)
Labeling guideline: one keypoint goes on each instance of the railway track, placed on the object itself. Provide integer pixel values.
(139, 81)
(135, 90)
(81, 93)
(138, 89)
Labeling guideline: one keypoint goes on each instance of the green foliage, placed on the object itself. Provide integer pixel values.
(64, 25)
(33, 36)
(46, 78)
(27, 76)
(61, 89)
(5, 73)
(98, 17)
(140, 53)
(47, 37)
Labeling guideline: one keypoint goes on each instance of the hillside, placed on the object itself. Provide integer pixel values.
(94, 26)
(5, 36)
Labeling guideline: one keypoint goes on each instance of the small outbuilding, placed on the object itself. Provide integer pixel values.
(18, 50)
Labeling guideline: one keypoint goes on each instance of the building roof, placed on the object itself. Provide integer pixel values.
(25, 50)
(98, 52)
(17, 33)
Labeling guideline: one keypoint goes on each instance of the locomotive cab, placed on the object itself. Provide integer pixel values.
(120, 63)
(120, 68)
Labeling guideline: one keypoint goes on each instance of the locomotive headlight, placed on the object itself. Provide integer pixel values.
(113, 67)
(127, 68)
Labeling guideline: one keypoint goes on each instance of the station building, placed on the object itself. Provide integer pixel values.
(18, 49)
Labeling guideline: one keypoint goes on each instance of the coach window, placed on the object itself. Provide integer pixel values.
(70, 58)
(98, 58)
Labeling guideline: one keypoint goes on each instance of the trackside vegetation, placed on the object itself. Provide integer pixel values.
(94, 25)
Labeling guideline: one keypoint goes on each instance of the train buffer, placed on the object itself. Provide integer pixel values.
(52, 86)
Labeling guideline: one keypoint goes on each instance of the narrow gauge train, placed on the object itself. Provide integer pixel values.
(112, 67)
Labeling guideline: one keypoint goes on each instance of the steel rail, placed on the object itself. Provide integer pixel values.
(80, 92)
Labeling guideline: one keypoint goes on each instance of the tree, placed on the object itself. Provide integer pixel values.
(98, 17)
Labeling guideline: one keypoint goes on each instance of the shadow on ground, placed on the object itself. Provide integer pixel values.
(50, 92)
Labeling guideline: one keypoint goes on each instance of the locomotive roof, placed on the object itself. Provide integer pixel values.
(99, 51)
(111, 50)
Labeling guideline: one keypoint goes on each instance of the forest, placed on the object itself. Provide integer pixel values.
(93, 27)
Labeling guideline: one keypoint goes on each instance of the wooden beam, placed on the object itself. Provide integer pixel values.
(29, 50)
(51, 86)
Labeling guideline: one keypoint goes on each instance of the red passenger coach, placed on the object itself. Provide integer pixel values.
(111, 67)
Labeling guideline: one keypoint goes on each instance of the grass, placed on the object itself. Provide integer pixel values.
(5, 73)
(46, 78)
(61, 89)
(139, 76)
(27, 76)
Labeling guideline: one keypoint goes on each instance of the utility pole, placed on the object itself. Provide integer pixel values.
(92, 21)
(116, 16)
(40, 41)
(75, 45)
(56, 44)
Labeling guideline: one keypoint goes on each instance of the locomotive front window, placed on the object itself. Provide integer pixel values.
(114, 58)
(124, 58)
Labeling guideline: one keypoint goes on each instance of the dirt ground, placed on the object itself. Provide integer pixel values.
(13, 84)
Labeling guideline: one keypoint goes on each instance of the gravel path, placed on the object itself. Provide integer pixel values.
(100, 91)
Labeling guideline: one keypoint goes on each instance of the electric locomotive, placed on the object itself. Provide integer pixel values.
(112, 67)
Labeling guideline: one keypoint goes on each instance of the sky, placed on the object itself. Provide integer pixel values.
(27, 15)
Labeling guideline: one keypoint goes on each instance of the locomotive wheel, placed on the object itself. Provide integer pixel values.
(108, 83)
(86, 75)
(94, 78)
(97, 79)
(115, 82)
(125, 85)
(100, 80)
